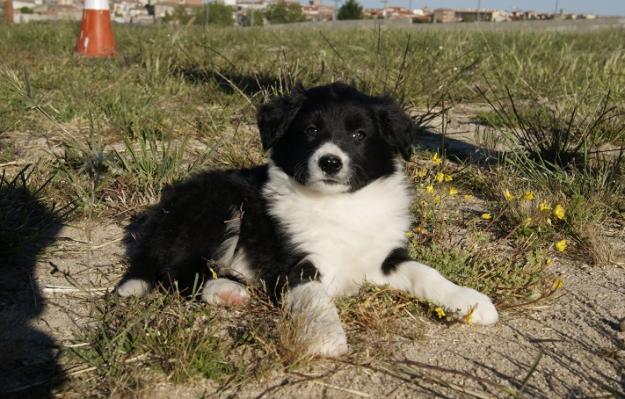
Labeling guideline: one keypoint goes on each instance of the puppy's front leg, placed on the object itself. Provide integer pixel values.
(427, 283)
(316, 319)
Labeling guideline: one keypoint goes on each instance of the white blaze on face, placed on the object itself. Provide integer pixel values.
(319, 181)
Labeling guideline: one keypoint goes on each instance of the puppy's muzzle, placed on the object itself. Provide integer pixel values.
(330, 164)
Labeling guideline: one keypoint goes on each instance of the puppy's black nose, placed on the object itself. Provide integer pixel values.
(330, 164)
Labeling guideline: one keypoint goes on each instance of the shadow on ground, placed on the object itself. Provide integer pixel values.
(232, 82)
(29, 366)
(460, 150)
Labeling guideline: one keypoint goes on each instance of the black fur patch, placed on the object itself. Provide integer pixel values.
(186, 228)
(394, 259)
(303, 272)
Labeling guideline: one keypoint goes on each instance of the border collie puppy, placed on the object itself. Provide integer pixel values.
(328, 212)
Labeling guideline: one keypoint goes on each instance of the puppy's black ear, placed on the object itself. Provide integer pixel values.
(275, 116)
(396, 127)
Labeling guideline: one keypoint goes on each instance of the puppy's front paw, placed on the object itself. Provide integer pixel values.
(316, 321)
(476, 307)
(329, 343)
(225, 292)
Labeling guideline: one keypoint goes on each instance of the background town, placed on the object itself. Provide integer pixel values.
(261, 12)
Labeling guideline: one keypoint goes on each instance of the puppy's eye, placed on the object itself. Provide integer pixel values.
(312, 130)
(358, 135)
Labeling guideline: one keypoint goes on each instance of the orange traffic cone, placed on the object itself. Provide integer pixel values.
(96, 34)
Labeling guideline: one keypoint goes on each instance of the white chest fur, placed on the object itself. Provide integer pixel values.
(346, 236)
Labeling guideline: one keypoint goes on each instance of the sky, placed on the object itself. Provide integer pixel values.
(598, 7)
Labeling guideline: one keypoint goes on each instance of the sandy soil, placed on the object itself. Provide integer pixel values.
(575, 337)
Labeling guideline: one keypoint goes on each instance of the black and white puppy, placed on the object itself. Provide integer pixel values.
(329, 212)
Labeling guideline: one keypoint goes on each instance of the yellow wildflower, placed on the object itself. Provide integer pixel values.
(453, 191)
(487, 216)
(549, 261)
(469, 316)
(437, 159)
(529, 196)
(440, 312)
(561, 245)
(508, 195)
(557, 284)
(559, 212)
(468, 197)
(429, 189)
(441, 177)
(544, 206)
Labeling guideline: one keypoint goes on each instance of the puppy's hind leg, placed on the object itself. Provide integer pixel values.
(222, 291)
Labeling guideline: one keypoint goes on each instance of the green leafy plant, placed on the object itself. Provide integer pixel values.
(284, 13)
(350, 10)
(215, 14)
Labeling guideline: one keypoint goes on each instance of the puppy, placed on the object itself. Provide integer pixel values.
(327, 213)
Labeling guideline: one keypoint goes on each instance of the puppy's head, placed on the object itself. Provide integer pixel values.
(334, 138)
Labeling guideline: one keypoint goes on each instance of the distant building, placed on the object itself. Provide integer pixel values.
(164, 9)
(519, 15)
(390, 13)
(398, 13)
(374, 13)
(315, 11)
(485, 15)
(444, 15)
(251, 4)
(18, 4)
(46, 12)
(422, 16)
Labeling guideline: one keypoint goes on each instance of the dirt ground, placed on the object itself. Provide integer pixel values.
(573, 341)
(568, 346)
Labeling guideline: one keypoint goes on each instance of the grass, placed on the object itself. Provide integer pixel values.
(169, 335)
(181, 99)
